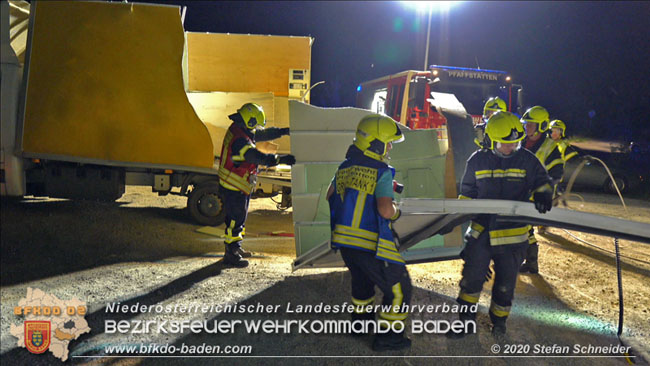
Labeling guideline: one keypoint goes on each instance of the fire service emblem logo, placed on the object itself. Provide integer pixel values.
(37, 335)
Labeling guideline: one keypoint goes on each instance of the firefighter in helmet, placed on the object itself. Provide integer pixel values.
(558, 133)
(500, 170)
(361, 210)
(536, 122)
(492, 105)
(238, 172)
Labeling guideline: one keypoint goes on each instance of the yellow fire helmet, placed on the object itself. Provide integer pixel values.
(503, 127)
(558, 124)
(537, 114)
(374, 132)
(253, 115)
(492, 106)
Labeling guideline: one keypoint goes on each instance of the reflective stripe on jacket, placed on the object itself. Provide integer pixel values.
(488, 176)
(548, 153)
(234, 171)
(355, 220)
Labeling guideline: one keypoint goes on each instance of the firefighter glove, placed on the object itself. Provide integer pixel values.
(284, 131)
(287, 159)
(543, 201)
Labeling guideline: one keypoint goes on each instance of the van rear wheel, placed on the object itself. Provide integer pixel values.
(205, 204)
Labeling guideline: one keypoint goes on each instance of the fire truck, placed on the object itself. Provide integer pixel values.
(406, 96)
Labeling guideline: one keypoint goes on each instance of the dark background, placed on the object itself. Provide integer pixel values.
(586, 62)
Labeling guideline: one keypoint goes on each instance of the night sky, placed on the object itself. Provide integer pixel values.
(588, 63)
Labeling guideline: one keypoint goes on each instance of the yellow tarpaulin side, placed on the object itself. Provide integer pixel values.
(245, 63)
(105, 82)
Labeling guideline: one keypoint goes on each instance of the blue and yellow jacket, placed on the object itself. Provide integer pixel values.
(354, 217)
(515, 178)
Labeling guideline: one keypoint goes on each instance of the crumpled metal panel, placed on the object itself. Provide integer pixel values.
(423, 218)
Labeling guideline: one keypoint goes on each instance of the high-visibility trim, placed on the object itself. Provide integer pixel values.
(236, 175)
(483, 174)
(229, 237)
(398, 295)
(228, 186)
(240, 183)
(532, 239)
(546, 149)
(361, 305)
(475, 229)
(500, 173)
(544, 188)
(554, 163)
(243, 150)
(365, 302)
(353, 242)
(365, 234)
(470, 298)
(358, 209)
(509, 236)
(498, 310)
(398, 298)
(388, 251)
(461, 197)
(571, 154)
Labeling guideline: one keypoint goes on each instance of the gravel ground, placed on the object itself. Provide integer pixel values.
(145, 250)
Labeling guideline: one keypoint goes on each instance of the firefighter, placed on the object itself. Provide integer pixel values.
(361, 210)
(493, 105)
(558, 133)
(500, 170)
(238, 172)
(536, 122)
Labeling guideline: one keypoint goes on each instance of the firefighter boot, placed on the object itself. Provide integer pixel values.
(232, 257)
(244, 253)
(365, 318)
(391, 341)
(499, 330)
(531, 260)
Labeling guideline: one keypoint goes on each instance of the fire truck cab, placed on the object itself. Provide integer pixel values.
(405, 96)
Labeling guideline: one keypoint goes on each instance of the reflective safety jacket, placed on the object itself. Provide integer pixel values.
(515, 178)
(235, 172)
(566, 150)
(354, 216)
(547, 151)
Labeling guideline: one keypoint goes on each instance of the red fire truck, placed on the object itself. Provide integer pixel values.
(405, 96)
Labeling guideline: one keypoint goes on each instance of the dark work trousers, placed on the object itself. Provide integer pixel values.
(368, 271)
(236, 205)
(477, 256)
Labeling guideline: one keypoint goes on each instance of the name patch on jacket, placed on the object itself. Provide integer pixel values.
(361, 178)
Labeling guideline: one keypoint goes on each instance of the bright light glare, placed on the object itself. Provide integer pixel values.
(424, 6)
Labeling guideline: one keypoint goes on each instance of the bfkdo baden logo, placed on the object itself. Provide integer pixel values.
(37, 335)
(49, 323)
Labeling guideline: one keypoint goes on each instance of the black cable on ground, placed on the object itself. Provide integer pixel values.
(619, 277)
